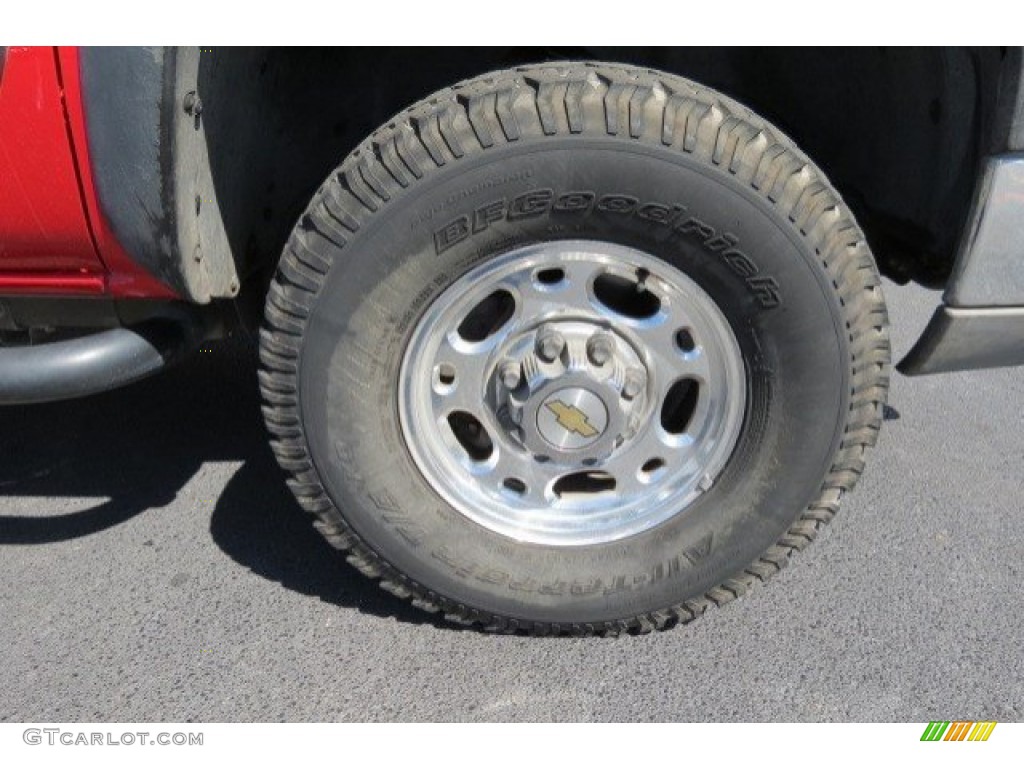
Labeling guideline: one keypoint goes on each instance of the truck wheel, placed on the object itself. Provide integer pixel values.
(574, 348)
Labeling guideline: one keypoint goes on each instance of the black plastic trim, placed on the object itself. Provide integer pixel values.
(125, 93)
(151, 166)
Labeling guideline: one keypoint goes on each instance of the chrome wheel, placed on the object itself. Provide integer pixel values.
(572, 393)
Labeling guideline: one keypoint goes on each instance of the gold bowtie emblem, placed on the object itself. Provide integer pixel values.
(571, 418)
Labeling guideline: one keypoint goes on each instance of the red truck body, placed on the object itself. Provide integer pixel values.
(53, 237)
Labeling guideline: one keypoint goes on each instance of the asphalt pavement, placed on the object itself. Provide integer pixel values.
(153, 566)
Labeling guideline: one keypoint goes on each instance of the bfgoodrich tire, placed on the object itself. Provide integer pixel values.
(668, 184)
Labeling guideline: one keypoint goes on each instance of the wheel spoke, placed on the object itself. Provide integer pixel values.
(468, 362)
(514, 466)
(647, 446)
(627, 483)
(537, 300)
(659, 337)
(579, 274)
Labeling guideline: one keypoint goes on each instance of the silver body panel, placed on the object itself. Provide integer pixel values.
(966, 339)
(989, 270)
(981, 321)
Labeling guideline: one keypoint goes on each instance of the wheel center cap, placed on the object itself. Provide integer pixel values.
(572, 418)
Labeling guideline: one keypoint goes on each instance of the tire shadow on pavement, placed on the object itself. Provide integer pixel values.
(136, 448)
(258, 523)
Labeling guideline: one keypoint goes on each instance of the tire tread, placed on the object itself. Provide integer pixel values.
(551, 100)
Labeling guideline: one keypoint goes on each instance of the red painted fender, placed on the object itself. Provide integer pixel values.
(54, 239)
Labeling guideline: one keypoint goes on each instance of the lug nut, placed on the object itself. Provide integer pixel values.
(633, 384)
(600, 349)
(510, 375)
(550, 345)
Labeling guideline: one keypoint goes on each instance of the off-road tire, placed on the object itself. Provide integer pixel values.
(338, 442)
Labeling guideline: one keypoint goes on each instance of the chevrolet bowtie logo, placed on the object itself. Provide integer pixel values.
(571, 418)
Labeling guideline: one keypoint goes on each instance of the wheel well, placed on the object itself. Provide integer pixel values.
(898, 131)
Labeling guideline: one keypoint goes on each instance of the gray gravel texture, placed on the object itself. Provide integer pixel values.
(153, 566)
